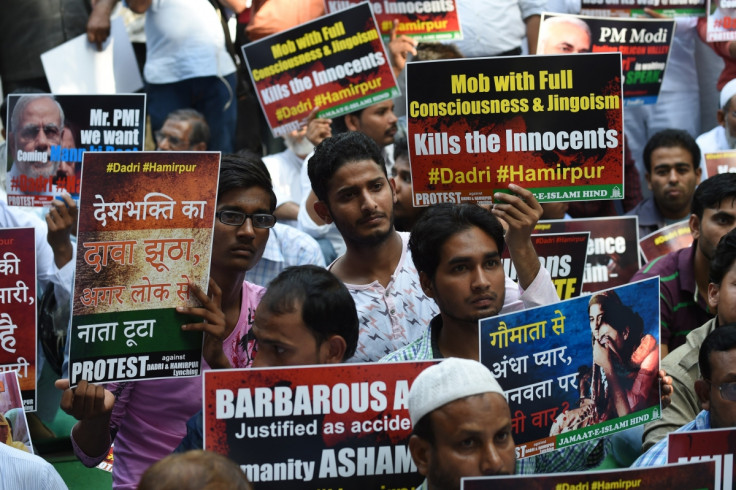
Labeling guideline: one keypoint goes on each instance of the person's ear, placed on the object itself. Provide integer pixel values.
(320, 207)
(333, 350)
(714, 291)
(426, 284)
(694, 223)
(392, 183)
(721, 117)
(201, 146)
(352, 122)
(648, 178)
(421, 453)
(627, 330)
(702, 388)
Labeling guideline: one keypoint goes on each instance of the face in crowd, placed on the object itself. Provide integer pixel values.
(672, 180)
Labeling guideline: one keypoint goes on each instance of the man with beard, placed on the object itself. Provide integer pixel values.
(378, 122)
(35, 125)
(672, 163)
(684, 273)
(461, 424)
(723, 136)
(348, 175)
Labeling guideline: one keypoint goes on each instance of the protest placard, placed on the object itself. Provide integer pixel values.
(336, 63)
(11, 410)
(720, 162)
(635, 8)
(48, 134)
(145, 234)
(559, 365)
(690, 476)
(338, 426)
(18, 312)
(563, 255)
(613, 248)
(426, 21)
(721, 16)
(644, 44)
(551, 124)
(665, 240)
(717, 445)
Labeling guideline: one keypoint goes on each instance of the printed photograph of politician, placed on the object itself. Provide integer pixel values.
(48, 134)
(622, 377)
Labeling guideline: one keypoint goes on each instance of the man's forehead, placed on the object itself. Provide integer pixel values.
(345, 174)
(41, 105)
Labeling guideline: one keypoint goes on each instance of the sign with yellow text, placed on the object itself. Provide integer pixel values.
(336, 63)
(426, 21)
(145, 235)
(551, 124)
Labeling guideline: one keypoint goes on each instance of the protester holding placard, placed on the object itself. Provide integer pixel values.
(682, 363)
(684, 273)
(349, 178)
(672, 162)
(147, 419)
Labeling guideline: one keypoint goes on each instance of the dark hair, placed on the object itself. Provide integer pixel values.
(243, 171)
(332, 153)
(327, 306)
(195, 469)
(401, 148)
(669, 138)
(712, 191)
(723, 258)
(200, 131)
(436, 51)
(439, 223)
(722, 339)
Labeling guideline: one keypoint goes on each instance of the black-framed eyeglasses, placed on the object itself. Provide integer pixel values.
(237, 218)
(30, 131)
(728, 390)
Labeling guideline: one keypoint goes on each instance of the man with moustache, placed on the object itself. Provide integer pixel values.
(723, 136)
(459, 400)
(35, 125)
(378, 122)
(349, 178)
(672, 163)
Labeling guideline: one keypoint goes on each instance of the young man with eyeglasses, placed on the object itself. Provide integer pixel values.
(682, 363)
(147, 419)
(716, 391)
